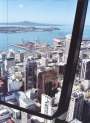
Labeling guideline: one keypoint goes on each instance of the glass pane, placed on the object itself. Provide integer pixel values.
(34, 43)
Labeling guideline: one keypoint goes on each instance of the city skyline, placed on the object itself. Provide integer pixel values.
(46, 11)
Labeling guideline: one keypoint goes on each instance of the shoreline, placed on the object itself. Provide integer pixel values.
(27, 29)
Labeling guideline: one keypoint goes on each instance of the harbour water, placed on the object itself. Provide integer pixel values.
(6, 39)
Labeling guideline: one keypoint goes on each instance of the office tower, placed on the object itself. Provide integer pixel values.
(85, 69)
(46, 107)
(86, 111)
(47, 81)
(17, 57)
(4, 56)
(60, 57)
(24, 117)
(57, 96)
(9, 62)
(67, 46)
(31, 73)
(59, 49)
(61, 68)
(21, 57)
(3, 78)
(1, 68)
(14, 84)
(76, 107)
(3, 84)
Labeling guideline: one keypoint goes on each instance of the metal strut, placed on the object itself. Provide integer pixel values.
(73, 56)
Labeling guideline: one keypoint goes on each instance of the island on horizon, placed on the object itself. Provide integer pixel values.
(26, 26)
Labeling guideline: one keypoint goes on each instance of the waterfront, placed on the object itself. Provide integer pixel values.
(7, 39)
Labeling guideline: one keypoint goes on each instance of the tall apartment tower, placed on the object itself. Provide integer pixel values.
(1, 68)
(10, 60)
(25, 118)
(46, 107)
(67, 46)
(85, 69)
(76, 107)
(31, 73)
(3, 84)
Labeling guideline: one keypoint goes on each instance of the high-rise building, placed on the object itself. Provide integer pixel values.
(24, 118)
(67, 46)
(9, 62)
(31, 73)
(86, 111)
(1, 68)
(3, 85)
(46, 107)
(19, 56)
(85, 69)
(76, 107)
(47, 81)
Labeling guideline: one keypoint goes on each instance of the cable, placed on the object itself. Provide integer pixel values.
(7, 21)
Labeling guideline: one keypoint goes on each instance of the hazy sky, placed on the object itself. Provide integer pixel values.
(45, 11)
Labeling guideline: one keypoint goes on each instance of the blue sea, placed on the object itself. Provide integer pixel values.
(6, 39)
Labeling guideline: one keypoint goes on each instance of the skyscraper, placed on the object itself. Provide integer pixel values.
(31, 73)
(46, 107)
(67, 45)
(85, 69)
(3, 85)
(76, 107)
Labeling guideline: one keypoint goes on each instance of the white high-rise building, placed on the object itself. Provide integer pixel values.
(85, 69)
(24, 118)
(76, 107)
(9, 62)
(67, 46)
(46, 107)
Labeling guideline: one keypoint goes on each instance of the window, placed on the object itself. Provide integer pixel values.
(23, 93)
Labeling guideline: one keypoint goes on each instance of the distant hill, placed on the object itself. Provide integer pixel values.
(28, 23)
